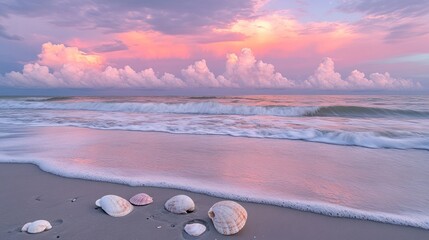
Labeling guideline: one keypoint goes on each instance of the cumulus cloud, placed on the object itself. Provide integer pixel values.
(379, 81)
(245, 71)
(199, 75)
(68, 67)
(57, 55)
(32, 75)
(59, 66)
(70, 76)
(242, 70)
(325, 77)
(128, 77)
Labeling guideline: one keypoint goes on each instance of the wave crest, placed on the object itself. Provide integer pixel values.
(215, 108)
(357, 111)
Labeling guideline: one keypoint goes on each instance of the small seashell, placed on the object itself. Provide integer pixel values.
(180, 204)
(36, 226)
(141, 199)
(195, 229)
(228, 217)
(114, 205)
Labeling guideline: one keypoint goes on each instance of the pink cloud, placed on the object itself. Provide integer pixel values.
(152, 45)
(245, 71)
(280, 34)
(61, 66)
(325, 77)
(380, 81)
(171, 32)
(32, 75)
(199, 75)
(242, 70)
(68, 67)
(57, 55)
(273, 36)
(276, 34)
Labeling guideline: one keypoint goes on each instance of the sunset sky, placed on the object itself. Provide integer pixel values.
(222, 44)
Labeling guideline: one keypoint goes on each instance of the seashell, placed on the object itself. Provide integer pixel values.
(36, 226)
(228, 217)
(114, 205)
(195, 229)
(141, 199)
(180, 204)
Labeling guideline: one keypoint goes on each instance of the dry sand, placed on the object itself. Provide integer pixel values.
(28, 194)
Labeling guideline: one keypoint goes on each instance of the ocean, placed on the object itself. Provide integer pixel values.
(364, 157)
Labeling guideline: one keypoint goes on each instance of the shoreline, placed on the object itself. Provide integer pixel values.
(30, 194)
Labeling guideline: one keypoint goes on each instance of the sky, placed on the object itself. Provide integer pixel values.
(338, 45)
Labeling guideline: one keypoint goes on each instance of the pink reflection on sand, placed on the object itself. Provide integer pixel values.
(82, 161)
(261, 168)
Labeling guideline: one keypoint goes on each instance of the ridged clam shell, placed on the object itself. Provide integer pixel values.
(195, 229)
(180, 204)
(114, 205)
(141, 199)
(228, 217)
(36, 226)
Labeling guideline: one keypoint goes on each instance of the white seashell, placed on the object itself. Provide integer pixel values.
(141, 199)
(36, 226)
(195, 229)
(180, 204)
(114, 205)
(228, 217)
(25, 227)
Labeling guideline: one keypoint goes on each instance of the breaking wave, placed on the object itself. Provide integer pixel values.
(214, 108)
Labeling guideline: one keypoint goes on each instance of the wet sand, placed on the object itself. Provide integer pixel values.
(29, 194)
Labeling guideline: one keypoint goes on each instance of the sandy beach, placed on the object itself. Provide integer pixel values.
(28, 194)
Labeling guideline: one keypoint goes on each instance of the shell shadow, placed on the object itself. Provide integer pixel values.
(57, 222)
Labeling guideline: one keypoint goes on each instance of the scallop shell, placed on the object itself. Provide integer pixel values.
(228, 217)
(195, 229)
(36, 226)
(141, 199)
(114, 205)
(180, 204)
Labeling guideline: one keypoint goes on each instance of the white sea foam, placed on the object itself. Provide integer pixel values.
(209, 108)
(362, 139)
(296, 174)
(237, 127)
(323, 208)
(341, 125)
(183, 108)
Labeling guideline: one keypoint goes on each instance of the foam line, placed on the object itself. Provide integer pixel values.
(328, 209)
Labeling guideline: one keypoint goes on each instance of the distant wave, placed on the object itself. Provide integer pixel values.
(57, 99)
(214, 108)
(203, 97)
(356, 111)
(44, 99)
(211, 108)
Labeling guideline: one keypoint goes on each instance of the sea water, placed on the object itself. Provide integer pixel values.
(363, 157)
